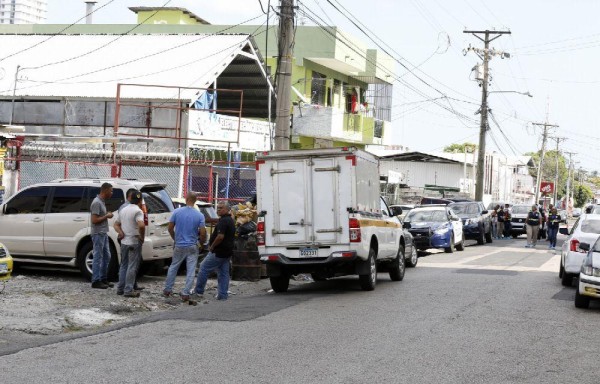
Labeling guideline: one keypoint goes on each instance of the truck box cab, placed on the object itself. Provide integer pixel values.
(320, 212)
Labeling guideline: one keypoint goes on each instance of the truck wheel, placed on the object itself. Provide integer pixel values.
(280, 283)
(414, 258)
(566, 279)
(398, 266)
(450, 249)
(367, 282)
(581, 301)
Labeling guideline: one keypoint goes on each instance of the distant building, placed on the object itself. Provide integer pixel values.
(23, 11)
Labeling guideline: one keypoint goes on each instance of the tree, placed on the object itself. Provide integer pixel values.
(582, 195)
(460, 148)
(549, 169)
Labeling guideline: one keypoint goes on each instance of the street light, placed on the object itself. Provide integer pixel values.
(520, 93)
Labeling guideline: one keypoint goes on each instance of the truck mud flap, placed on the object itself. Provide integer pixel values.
(273, 270)
(362, 267)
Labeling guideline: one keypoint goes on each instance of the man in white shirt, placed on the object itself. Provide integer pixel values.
(131, 229)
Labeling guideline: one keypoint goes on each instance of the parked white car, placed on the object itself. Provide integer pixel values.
(589, 276)
(585, 230)
(49, 223)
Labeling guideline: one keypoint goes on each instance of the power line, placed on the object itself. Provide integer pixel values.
(57, 34)
(102, 46)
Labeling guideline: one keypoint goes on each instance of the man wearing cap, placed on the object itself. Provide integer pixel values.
(533, 226)
(131, 229)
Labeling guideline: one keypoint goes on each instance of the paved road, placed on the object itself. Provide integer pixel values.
(491, 314)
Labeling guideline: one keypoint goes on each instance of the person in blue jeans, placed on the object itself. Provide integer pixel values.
(553, 223)
(131, 229)
(220, 251)
(99, 233)
(185, 226)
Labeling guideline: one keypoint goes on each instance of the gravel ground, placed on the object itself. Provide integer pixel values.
(38, 302)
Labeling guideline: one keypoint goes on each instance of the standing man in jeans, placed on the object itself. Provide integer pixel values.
(99, 234)
(220, 250)
(533, 226)
(131, 229)
(186, 224)
(553, 223)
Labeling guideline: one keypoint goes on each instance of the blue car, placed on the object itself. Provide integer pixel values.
(435, 227)
(477, 223)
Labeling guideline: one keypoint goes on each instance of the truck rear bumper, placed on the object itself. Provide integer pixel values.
(343, 262)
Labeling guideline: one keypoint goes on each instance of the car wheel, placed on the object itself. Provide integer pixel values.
(561, 271)
(488, 236)
(450, 249)
(481, 237)
(85, 260)
(581, 301)
(414, 258)
(461, 246)
(367, 282)
(567, 279)
(280, 283)
(398, 266)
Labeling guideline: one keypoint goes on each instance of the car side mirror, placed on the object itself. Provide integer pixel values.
(396, 211)
(563, 231)
(406, 225)
(484, 212)
(584, 246)
(454, 218)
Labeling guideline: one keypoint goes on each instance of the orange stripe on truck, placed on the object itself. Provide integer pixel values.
(378, 223)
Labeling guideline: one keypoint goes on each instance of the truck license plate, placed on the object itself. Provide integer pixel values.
(309, 252)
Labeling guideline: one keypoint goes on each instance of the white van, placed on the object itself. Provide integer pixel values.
(49, 223)
(320, 212)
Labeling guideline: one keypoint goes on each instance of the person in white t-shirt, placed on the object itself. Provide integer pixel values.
(131, 229)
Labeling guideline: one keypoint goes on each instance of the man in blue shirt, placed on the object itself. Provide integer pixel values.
(185, 226)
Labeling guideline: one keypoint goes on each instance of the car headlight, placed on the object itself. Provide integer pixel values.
(441, 231)
(473, 220)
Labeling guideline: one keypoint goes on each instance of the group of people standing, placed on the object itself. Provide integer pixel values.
(187, 228)
(535, 219)
(501, 222)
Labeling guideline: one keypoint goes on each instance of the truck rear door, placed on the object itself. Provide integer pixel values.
(305, 200)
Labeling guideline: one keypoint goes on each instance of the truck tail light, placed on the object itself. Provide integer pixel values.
(355, 236)
(260, 232)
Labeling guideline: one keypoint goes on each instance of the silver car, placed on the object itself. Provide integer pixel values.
(585, 230)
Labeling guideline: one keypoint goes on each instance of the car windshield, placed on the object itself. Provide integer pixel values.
(596, 209)
(461, 209)
(520, 209)
(590, 226)
(436, 216)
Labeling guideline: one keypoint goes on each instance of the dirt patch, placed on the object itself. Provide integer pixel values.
(48, 303)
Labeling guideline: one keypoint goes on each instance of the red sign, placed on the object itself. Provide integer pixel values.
(546, 187)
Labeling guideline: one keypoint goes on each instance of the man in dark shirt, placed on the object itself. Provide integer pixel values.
(501, 216)
(533, 226)
(220, 250)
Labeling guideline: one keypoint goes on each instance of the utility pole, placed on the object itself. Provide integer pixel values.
(541, 164)
(12, 104)
(569, 181)
(485, 54)
(558, 140)
(284, 74)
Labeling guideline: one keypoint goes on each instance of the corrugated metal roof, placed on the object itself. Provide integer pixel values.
(193, 60)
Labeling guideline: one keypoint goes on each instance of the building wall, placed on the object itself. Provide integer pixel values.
(417, 174)
(23, 11)
(165, 17)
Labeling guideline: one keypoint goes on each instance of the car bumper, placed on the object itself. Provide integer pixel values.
(6, 268)
(471, 231)
(433, 241)
(589, 286)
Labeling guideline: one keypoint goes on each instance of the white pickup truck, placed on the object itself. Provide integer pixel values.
(320, 212)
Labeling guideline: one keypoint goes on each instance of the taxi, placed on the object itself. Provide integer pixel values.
(6, 263)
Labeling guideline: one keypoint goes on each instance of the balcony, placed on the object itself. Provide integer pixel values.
(336, 124)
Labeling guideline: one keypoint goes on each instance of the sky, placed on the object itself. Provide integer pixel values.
(554, 48)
